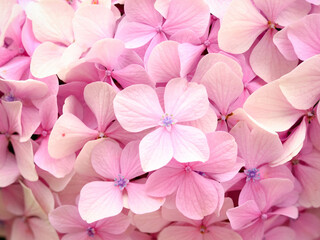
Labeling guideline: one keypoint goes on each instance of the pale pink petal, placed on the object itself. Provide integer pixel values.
(164, 62)
(164, 181)
(221, 233)
(301, 86)
(184, 100)
(17, 68)
(197, 196)
(79, 236)
(106, 52)
(275, 189)
(254, 145)
(294, 12)
(83, 164)
(21, 230)
(210, 60)
(270, 108)
(105, 159)
(293, 144)
(156, 149)
(48, 112)
(138, 200)
(68, 135)
(66, 219)
(49, 26)
(266, 60)
(80, 70)
(24, 156)
(187, 14)
(42, 229)
(243, 22)
(253, 191)
(99, 200)
(132, 74)
(130, 162)
(223, 153)
(157, 39)
(115, 225)
(291, 212)
(135, 34)
(189, 144)
(282, 232)
(223, 86)
(162, 7)
(46, 60)
(92, 23)
(189, 57)
(254, 231)
(306, 226)
(150, 222)
(242, 216)
(99, 98)
(30, 43)
(137, 108)
(13, 111)
(272, 8)
(9, 171)
(180, 233)
(142, 12)
(284, 45)
(30, 120)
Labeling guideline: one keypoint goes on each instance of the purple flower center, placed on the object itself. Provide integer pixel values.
(121, 182)
(203, 229)
(91, 231)
(167, 121)
(252, 174)
(264, 216)
(9, 97)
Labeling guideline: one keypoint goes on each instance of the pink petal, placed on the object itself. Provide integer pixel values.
(137, 108)
(42, 229)
(164, 181)
(48, 112)
(105, 159)
(180, 232)
(284, 45)
(294, 12)
(240, 217)
(275, 189)
(13, 110)
(185, 101)
(30, 122)
(266, 60)
(106, 52)
(99, 98)
(132, 74)
(254, 145)
(210, 60)
(197, 196)
(223, 86)
(130, 162)
(17, 68)
(282, 232)
(223, 153)
(142, 12)
(68, 135)
(187, 14)
(164, 62)
(292, 145)
(270, 108)
(189, 144)
(66, 219)
(135, 34)
(302, 94)
(24, 156)
(78, 236)
(221, 233)
(162, 7)
(92, 23)
(21, 230)
(243, 21)
(114, 225)
(253, 191)
(138, 200)
(273, 8)
(189, 56)
(99, 200)
(9, 171)
(49, 26)
(156, 149)
(150, 222)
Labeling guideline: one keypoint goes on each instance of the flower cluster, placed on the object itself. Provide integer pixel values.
(160, 119)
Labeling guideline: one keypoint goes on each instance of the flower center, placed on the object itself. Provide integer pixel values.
(101, 135)
(167, 121)
(9, 97)
(121, 182)
(188, 169)
(252, 174)
(207, 43)
(91, 231)
(264, 216)
(295, 161)
(44, 133)
(159, 29)
(203, 229)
